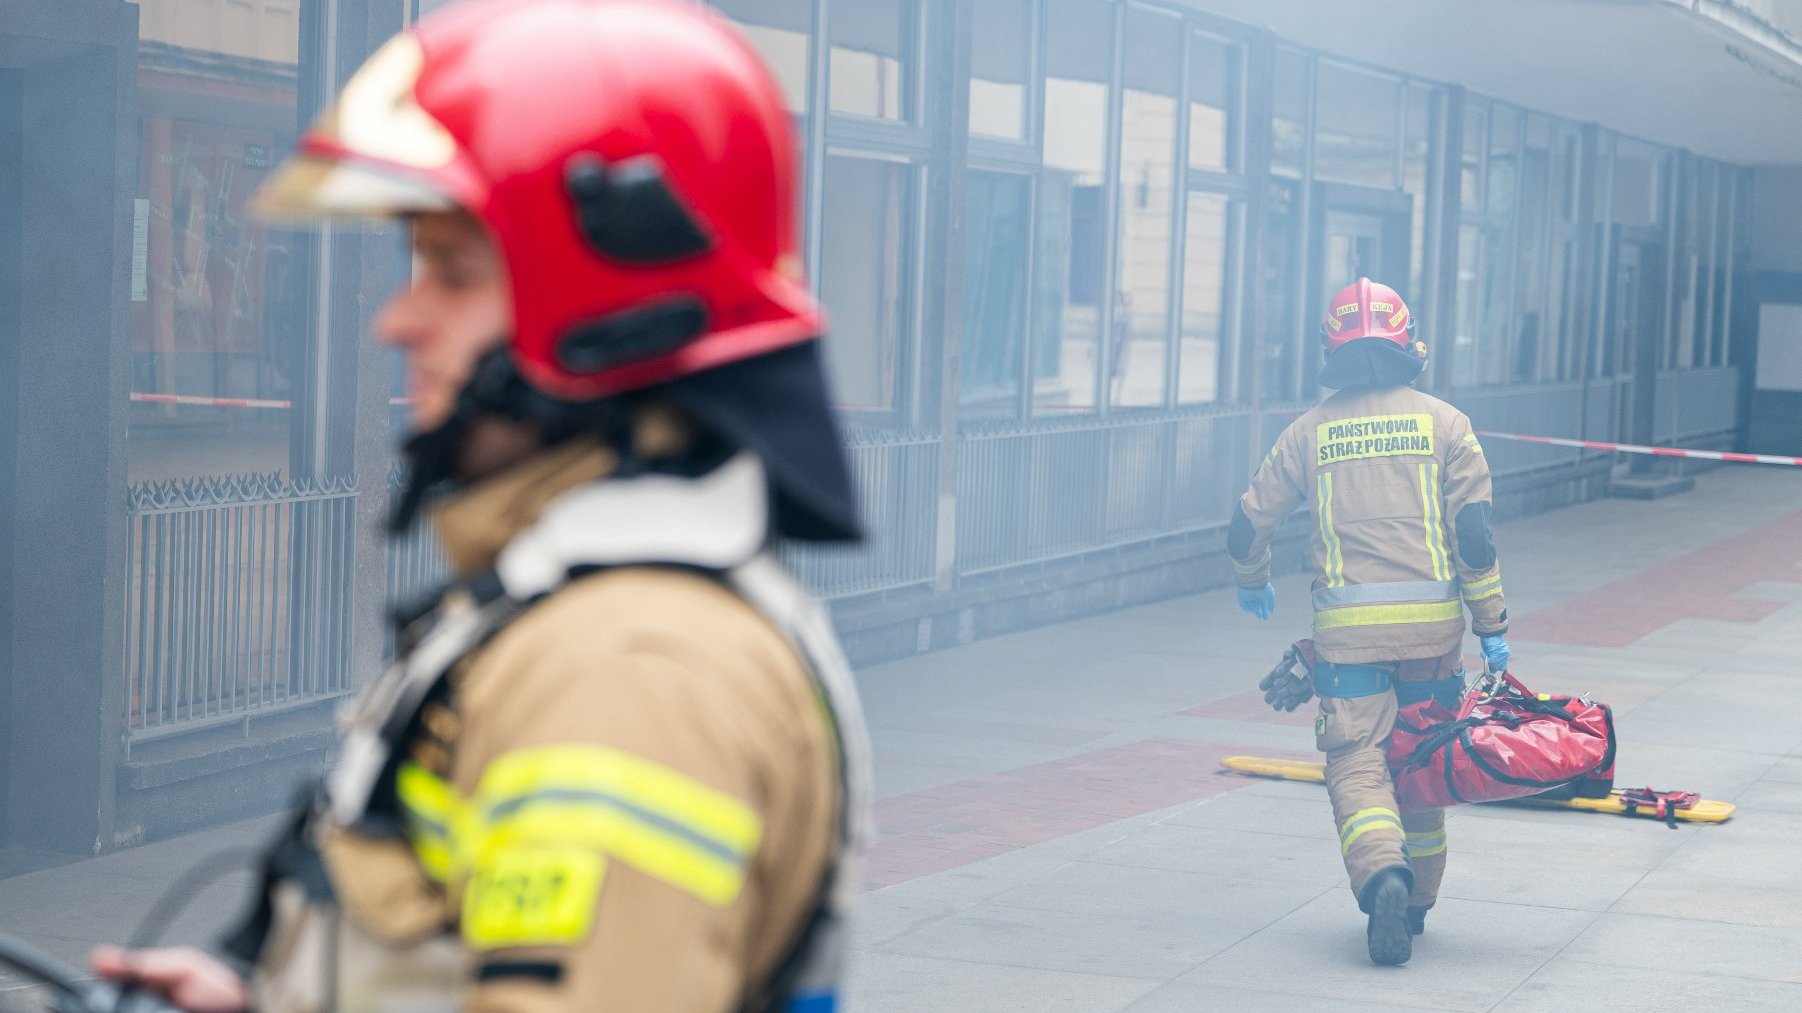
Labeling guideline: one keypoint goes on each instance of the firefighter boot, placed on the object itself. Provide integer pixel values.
(1417, 920)
(1385, 900)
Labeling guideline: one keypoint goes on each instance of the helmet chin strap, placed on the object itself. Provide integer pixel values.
(496, 389)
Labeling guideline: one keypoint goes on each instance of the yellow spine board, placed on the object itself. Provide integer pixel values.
(1314, 772)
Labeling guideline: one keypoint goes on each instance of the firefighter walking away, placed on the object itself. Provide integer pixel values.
(1402, 549)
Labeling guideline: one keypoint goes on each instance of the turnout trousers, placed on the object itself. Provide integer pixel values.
(1357, 714)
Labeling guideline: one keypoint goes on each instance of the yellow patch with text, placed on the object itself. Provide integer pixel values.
(532, 897)
(1373, 436)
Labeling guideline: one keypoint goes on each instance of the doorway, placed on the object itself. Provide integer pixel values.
(1772, 419)
(1358, 233)
(1634, 340)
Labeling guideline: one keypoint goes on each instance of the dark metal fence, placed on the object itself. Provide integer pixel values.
(897, 486)
(416, 563)
(237, 599)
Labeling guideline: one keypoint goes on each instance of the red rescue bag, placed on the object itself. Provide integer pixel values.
(1504, 741)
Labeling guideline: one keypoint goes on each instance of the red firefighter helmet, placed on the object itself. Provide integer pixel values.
(631, 158)
(1365, 309)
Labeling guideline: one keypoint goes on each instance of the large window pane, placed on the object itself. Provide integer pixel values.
(1355, 126)
(1465, 342)
(1140, 342)
(1289, 118)
(1416, 147)
(1213, 103)
(865, 278)
(996, 253)
(1072, 231)
(1727, 241)
(221, 314)
(781, 30)
(1638, 184)
(1531, 331)
(1277, 294)
(1565, 170)
(1476, 141)
(1000, 64)
(1501, 180)
(872, 60)
(1204, 299)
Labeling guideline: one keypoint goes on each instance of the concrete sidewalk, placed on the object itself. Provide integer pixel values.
(1057, 836)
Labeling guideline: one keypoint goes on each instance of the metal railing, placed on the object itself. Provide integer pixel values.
(1032, 493)
(416, 563)
(237, 599)
(897, 486)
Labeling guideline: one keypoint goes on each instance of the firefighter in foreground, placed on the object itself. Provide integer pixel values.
(1403, 545)
(620, 763)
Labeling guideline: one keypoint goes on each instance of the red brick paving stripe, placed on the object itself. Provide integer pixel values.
(952, 825)
(1697, 585)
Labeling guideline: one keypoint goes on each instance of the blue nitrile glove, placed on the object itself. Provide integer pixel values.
(1259, 601)
(1495, 652)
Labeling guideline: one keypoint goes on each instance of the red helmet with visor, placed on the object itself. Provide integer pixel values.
(631, 158)
(1365, 309)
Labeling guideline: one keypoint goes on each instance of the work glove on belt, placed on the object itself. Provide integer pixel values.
(1285, 688)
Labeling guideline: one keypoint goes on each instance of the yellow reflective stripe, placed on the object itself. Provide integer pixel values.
(1488, 587)
(1433, 521)
(436, 857)
(1471, 438)
(432, 809)
(1335, 557)
(426, 795)
(680, 798)
(674, 858)
(1364, 821)
(1388, 615)
(663, 823)
(1425, 843)
(1255, 566)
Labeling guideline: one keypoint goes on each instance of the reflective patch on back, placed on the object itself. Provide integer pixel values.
(1373, 436)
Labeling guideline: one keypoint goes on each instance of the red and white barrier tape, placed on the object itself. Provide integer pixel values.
(1553, 441)
(209, 402)
(1634, 448)
(228, 402)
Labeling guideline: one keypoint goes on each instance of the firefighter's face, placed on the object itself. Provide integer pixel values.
(458, 306)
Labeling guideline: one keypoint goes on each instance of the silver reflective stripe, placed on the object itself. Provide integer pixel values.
(1387, 593)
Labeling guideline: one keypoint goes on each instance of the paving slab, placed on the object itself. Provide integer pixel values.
(1181, 998)
(1160, 943)
(1473, 955)
(1242, 854)
(893, 981)
(1619, 988)
(1705, 946)
(1747, 874)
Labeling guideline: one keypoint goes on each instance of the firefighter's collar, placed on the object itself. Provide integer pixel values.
(717, 521)
(479, 520)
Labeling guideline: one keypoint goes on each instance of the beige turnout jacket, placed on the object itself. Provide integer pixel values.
(1403, 543)
(626, 802)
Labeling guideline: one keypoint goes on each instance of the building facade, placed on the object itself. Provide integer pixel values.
(1074, 253)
